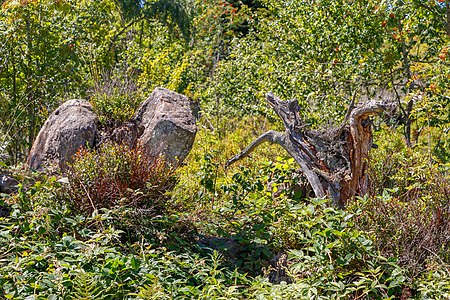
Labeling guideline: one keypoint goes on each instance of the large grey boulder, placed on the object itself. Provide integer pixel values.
(72, 125)
(168, 122)
(8, 184)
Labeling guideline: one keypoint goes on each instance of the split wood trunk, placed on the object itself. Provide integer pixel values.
(333, 161)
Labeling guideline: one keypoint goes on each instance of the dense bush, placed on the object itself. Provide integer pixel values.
(408, 211)
(117, 175)
(115, 98)
(50, 251)
(328, 257)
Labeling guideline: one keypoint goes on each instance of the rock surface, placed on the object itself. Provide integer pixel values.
(169, 126)
(227, 246)
(7, 184)
(4, 211)
(72, 125)
(127, 133)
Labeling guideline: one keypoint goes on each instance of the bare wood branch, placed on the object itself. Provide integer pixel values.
(297, 138)
(288, 111)
(269, 136)
(347, 116)
(306, 164)
(361, 133)
(370, 108)
(301, 158)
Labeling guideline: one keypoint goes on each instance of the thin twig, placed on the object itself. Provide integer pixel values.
(347, 116)
(440, 259)
(92, 202)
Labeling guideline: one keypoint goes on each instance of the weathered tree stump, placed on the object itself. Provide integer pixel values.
(333, 161)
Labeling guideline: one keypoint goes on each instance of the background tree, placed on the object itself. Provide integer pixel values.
(55, 50)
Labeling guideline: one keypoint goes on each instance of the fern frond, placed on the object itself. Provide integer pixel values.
(154, 291)
(86, 286)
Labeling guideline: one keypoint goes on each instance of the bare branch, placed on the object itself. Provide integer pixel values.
(288, 111)
(347, 115)
(269, 136)
(282, 139)
(369, 108)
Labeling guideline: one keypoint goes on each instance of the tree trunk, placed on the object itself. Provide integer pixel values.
(334, 161)
(447, 27)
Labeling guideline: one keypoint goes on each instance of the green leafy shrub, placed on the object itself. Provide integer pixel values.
(116, 175)
(96, 265)
(114, 108)
(48, 251)
(435, 282)
(333, 256)
(329, 257)
(115, 98)
(76, 261)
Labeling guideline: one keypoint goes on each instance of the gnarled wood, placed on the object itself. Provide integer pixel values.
(334, 161)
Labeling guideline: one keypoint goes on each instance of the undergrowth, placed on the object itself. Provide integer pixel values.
(115, 97)
(117, 175)
(51, 252)
(408, 210)
(113, 230)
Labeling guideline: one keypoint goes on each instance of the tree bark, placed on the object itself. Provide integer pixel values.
(447, 27)
(333, 161)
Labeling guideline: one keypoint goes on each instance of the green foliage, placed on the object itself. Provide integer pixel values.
(86, 286)
(37, 61)
(55, 50)
(208, 174)
(52, 252)
(316, 53)
(434, 283)
(113, 232)
(327, 252)
(116, 98)
(226, 54)
(116, 108)
(94, 264)
(337, 259)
